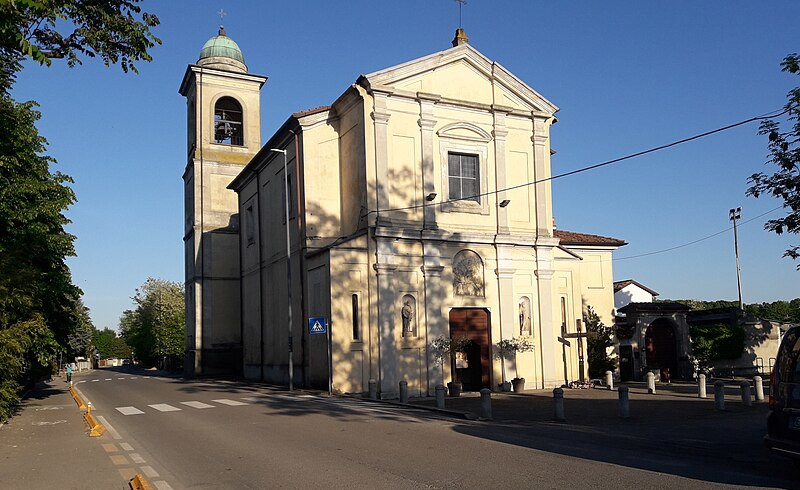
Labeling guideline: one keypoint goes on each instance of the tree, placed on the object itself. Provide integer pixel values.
(79, 341)
(716, 342)
(784, 151)
(155, 328)
(116, 31)
(109, 346)
(598, 341)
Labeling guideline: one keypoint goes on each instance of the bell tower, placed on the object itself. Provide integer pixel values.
(223, 134)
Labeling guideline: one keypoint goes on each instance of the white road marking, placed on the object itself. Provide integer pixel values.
(134, 377)
(111, 430)
(129, 410)
(197, 404)
(126, 446)
(95, 380)
(255, 399)
(232, 403)
(163, 407)
(120, 378)
(82, 381)
(149, 471)
(162, 485)
(54, 422)
(108, 379)
(136, 458)
(50, 407)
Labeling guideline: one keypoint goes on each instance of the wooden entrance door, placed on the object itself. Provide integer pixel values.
(473, 323)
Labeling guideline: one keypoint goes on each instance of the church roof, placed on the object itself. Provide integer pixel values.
(575, 238)
(221, 46)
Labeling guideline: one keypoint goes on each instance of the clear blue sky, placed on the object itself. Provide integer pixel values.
(626, 75)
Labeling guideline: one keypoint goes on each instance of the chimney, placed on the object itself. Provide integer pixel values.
(461, 37)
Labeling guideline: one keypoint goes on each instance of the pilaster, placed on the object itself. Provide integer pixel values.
(387, 299)
(505, 288)
(435, 321)
(426, 124)
(548, 330)
(499, 132)
(541, 171)
(380, 116)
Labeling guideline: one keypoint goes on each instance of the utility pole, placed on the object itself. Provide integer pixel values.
(736, 214)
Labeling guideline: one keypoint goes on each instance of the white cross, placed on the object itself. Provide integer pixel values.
(222, 14)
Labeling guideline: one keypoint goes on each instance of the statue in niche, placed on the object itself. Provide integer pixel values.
(468, 274)
(524, 317)
(407, 313)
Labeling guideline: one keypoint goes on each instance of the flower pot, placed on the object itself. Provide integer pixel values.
(454, 389)
(505, 386)
(519, 384)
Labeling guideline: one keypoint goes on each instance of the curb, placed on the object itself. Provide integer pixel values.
(446, 411)
(138, 482)
(77, 398)
(96, 429)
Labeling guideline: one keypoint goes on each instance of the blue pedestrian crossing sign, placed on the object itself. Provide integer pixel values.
(317, 325)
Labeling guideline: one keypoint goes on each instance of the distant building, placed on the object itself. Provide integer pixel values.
(630, 291)
(400, 229)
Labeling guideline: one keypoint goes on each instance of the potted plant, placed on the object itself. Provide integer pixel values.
(504, 348)
(443, 347)
(515, 345)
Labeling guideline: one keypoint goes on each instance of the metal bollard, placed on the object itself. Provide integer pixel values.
(440, 389)
(558, 404)
(719, 396)
(373, 389)
(747, 400)
(609, 380)
(403, 391)
(651, 383)
(759, 383)
(701, 386)
(486, 404)
(624, 402)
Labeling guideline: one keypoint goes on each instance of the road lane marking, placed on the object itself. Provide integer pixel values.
(108, 379)
(232, 403)
(134, 377)
(52, 422)
(111, 430)
(82, 381)
(110, 448)
(120, 378)
(95, 380)
(197, 404)
(119, 459)
(162, 485)
(255, 399)
(126, 446)
(136, 458)
(163, 407)
(129, 410)
(149, 471)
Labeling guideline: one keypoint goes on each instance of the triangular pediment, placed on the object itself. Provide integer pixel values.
(465, 73)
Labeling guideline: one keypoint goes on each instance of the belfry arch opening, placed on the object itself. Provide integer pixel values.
(228, 117)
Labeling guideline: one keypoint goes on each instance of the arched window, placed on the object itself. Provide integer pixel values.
(228, 128)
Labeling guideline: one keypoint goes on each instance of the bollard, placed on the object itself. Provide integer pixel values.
(651, 383)
(609, 380)
(486, 404)
(373, 389)
(757, 381)
(624, 402)
(747, 400)
(440, 396)
(558, 404)
(88, 407)
(403, 391)
(719, 396)
(701, 386)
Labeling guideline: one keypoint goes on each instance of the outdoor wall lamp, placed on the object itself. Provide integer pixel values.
(430, 197)
(505, 202)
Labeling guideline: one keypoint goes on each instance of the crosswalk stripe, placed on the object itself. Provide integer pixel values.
(136, 458)
(163, 407)
(232, 403)
(126, 446)
(129, 410)
(162, 485)
(149, 471)
(197, 404)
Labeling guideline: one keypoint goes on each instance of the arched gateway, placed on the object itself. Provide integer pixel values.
(661, 347)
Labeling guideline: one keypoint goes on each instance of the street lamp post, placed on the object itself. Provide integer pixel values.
(288, 263)
(736, 214)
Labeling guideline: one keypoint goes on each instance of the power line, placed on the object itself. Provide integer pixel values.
(768, 115)
(670, 249)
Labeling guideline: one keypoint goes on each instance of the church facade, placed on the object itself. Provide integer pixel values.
(416, 206)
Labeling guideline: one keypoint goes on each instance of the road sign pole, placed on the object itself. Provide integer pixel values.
(330, 360)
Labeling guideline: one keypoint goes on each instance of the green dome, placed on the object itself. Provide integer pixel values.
(221, 46)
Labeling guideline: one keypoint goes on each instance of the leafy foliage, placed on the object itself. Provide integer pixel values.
(513, 346)
(598, 341)
(716, 342)
(109, 346)
(783, 311)
(155, 328)
(116, 31)
(784, 151)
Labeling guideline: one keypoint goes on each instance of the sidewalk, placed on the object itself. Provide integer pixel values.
(46, 446)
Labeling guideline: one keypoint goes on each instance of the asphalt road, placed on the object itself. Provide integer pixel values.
(221, 434)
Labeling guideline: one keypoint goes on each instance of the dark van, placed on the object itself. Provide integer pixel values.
(783, 422)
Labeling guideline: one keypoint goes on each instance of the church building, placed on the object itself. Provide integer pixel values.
(416, 207)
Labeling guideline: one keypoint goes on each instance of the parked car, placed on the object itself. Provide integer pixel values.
(783, 422)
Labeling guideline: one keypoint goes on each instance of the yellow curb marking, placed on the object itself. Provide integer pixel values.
(127, 473)
(110, 448)
(119, 459)
(139, 483)
(95, 428)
